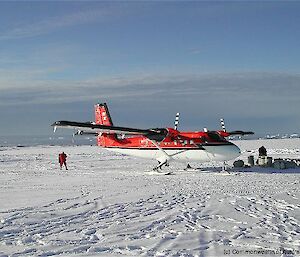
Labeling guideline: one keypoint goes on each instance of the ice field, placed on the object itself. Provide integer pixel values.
(111, 205)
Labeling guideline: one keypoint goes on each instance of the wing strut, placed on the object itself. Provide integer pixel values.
(164, 160)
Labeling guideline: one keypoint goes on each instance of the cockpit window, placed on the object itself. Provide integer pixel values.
(215, 137)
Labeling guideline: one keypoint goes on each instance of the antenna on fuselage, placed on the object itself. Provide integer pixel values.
(223, 125)
(176, 123)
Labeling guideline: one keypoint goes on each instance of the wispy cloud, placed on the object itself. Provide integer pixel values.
(195, 51)
(54, 23)
(239, 97)
(220, 89)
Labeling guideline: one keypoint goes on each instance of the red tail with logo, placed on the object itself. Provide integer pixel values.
(102, 117)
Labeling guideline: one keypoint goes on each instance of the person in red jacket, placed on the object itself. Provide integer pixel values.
(62, 158)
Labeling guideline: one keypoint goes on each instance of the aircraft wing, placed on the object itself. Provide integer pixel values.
(240, 132)
(157, 134)
(234, 133)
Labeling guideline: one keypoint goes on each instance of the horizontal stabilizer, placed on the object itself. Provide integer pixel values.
(81, 133)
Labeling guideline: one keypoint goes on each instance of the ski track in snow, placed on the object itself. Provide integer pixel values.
(107, 205)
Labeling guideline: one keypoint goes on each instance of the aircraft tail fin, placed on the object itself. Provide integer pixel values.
(102, 116)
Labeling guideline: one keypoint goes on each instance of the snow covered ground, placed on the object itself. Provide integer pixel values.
(108, 205)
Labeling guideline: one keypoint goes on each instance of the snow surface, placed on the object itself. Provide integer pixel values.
(109, 205)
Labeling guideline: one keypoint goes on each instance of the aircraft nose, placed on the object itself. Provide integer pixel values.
(226, 152)
(235, 151)
(229, 152)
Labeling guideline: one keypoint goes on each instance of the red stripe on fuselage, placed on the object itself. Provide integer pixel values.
(184, 140)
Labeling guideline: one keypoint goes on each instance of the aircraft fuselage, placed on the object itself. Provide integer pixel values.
(187, 146)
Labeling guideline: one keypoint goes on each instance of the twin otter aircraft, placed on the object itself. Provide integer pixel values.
(162, 144)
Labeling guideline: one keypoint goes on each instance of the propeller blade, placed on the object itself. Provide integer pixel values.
(223, 124)
(176, 123)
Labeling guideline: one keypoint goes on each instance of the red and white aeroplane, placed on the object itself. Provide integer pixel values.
(161, 144)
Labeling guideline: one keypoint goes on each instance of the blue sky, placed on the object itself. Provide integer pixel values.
(148, 60)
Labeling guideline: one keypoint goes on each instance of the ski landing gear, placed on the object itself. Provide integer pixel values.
(158, 168)
(225, 167)
(188, 167)
(160, 164)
